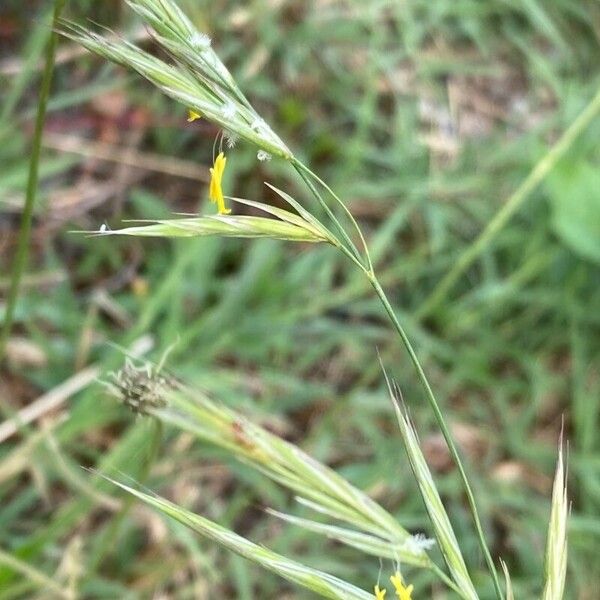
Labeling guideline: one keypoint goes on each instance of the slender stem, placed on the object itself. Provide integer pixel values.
(435, 569)
(355, 260)
(443, 428)
(352, 253)
(32, 183)
(304, 172)
(514, 202)
(346, 210)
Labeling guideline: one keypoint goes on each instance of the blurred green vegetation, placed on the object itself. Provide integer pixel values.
(423, 116)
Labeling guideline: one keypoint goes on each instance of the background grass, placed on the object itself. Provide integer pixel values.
(424, 117)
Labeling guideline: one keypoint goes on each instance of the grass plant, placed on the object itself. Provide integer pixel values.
(497, 300)
(201, 81)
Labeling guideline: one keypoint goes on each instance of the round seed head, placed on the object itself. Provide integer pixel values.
(139, 388)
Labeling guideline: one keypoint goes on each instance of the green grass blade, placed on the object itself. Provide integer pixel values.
(32, 183)
(512, 205)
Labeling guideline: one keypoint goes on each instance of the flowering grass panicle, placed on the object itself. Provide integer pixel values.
(316, 486)
(197, 77)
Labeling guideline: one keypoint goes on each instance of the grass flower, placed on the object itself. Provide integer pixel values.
(301, 227)
(403, 592)
(215, 191)
(240, 226)
(370, 528)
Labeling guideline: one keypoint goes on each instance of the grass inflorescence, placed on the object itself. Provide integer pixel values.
(283, 334)
(199, 75)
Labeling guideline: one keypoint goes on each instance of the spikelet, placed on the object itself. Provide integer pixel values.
(196, 77)
(556, 546)
(444, 531)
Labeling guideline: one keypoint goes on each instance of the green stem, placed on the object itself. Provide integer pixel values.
(32, 182)
(435, 569)
(304, 172)
(352, 253)
(355, 224)
(514, 202)
(443, 428)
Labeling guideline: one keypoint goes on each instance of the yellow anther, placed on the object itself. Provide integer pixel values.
(403, 592)
(215, 190)
(193, 116)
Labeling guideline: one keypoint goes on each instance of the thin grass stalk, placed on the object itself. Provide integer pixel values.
(420, 372)
(352, 250)
(353, 220)
(439, 417)
(32, 182)
(543, 167)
